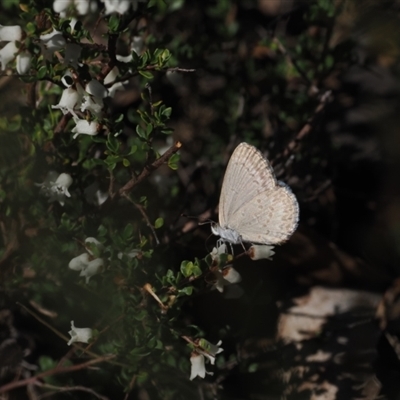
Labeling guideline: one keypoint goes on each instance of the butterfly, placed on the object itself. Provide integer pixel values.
(254, 207)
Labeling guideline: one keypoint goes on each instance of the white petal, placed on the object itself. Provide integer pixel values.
(119, 6)
(124, 59)
(231, 275)
(79, 334)
(7, 53)
(93, 104)
(63, 182)
(61, 5)
(94, 267)
(85, 128)
(111, 76)
(115, 87)
(80, 262)
(23, 62)
(96, 89)
(198, 366)
(69, 99)
(260, 251)
(10, 33)
(83, 6)
(53, 40)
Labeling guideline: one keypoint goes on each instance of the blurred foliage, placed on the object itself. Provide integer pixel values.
(289, 77)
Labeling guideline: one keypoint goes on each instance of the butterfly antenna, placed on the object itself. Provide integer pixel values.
(204, 222)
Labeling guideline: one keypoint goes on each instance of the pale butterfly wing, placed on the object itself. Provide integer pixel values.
(253, 203)
(247, 175)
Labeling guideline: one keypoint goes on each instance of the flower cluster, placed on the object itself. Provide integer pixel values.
(13, 35)
(87, 263)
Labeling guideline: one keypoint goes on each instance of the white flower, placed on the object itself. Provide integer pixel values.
(204, 350)
(7, 54)
(260, 251)
(217, 251)
(59, 6)
(83, 127)
(53, 41)
(228, 276)
(23, 62)
(10, 33)
(62, 183)
(84, 6)
(111, 77)
(72, 54)
(119, 6)
(198, 366)
(56, 188)
(85, 262)
(93, 267)
(80, 262)
(79, 334)
(69, 99)
(96, 89)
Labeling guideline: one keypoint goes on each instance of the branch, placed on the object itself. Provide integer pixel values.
(112, 48)
(55, 371)
(148, 169)
(62, 124)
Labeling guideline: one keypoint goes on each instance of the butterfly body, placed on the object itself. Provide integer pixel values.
(254, 207)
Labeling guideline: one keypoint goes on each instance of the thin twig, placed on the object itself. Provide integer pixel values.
(290, 148)
(143, 212)
(68, 389)
(291, 60)
(149, 68)
(148, 169)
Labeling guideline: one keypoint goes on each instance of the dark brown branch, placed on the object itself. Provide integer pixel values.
(112, 48)
(147, 170)
(62, 124)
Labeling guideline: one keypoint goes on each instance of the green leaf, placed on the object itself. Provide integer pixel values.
(188, 268)
(42, 72)
(159, 223)
(30, 28)
(173, 161)
(187, 291)
(126, 162)
(128, 232)
(113, 23)
(167, 112)
(140, 132)
(146, 74)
